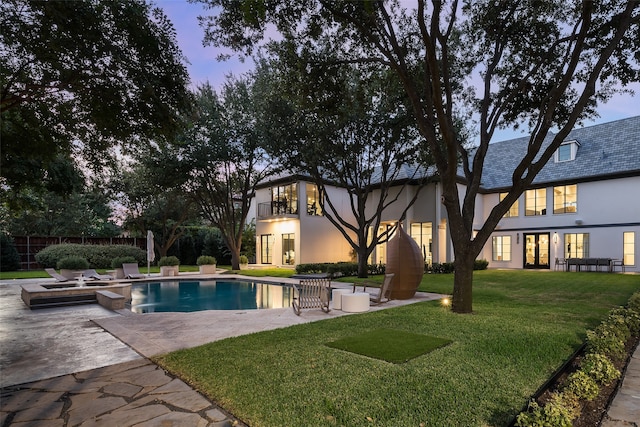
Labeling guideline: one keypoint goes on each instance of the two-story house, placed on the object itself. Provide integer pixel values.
(584, 203)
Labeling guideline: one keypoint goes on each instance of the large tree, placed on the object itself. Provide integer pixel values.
(152, 191)
(66, 204)
(84, 76)
(542, 64)
(224, 150)
(347, 126)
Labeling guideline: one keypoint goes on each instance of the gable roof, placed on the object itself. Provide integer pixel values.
(605, 151)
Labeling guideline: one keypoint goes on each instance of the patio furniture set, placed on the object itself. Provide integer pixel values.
(608, 265)
(313, 291)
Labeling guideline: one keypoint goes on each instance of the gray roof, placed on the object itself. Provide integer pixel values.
(606, 151)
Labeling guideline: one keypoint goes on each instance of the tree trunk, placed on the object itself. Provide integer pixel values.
(363, 265)
(462, 301)
(235, 259)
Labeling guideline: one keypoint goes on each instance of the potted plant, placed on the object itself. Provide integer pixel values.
(207, 264)
(244, 262)
(117, 262)
(169, 266)
(72, 266)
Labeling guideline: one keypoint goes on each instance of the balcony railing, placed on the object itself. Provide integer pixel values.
(276, 209)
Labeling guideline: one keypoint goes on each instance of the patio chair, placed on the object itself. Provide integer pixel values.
(384, 292)
(312, 292)
(130, 270)
(92, 274)
(59, 277)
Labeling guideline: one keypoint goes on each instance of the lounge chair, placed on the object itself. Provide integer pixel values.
(384, 291)
(59, 277)
(92, 274)
(131, 271)
(312, 292)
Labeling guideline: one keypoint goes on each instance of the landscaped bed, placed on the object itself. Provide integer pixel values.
(524, 326)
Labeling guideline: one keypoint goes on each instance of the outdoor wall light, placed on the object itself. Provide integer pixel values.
(555, 238)
(518, 238)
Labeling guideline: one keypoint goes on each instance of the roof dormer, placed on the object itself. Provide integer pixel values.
(566, 152)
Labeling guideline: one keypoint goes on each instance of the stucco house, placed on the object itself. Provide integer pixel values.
(585, 203)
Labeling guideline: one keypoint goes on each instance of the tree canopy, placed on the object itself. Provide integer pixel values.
(542, 65)
(84, 76)
(224, 149)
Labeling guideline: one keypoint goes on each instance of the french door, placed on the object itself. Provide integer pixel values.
(536, 250)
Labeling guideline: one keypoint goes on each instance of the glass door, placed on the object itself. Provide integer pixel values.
(536, 250)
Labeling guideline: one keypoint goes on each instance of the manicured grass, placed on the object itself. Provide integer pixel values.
(265, 272)
(524, 326)
(391, 345)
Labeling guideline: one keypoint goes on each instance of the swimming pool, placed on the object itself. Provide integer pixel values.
(187, 296)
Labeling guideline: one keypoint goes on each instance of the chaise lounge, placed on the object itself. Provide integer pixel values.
(131, 271)
(59, 277)
(92, 274)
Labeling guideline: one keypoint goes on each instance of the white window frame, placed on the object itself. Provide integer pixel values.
(573, 150)
(501, 248)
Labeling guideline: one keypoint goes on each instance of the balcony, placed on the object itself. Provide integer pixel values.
(277, 209)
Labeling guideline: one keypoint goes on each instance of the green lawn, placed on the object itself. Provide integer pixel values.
(525, 324)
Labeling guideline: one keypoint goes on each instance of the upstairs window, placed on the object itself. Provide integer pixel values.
(284, 199)
(314, 199)
(566, 152)
(565, 199)
(513, 210)
(535, 202)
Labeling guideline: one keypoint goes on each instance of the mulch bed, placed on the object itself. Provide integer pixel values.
(592, 412)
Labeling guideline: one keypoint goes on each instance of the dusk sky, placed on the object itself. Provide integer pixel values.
(205, 67)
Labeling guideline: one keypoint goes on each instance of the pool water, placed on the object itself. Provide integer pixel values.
(187, 296)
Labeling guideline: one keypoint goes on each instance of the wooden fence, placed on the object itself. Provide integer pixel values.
(29, 246)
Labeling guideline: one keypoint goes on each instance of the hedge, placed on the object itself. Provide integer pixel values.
(98, 256)
(338, 269)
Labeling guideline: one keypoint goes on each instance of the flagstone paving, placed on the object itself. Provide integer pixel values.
(59, 368)
(136, 393)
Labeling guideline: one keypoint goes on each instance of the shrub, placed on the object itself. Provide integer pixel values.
(376, 269)
(206, 260)
(118, 261)
(582, 386)
(560, 411)
(600, 368)
(73, 263)
(98, 256)
(442, 268)
(605, 342)
(630, 317)
(168, 261)
(244, 259)
(9, 258)
(480, 264)
(634, 302)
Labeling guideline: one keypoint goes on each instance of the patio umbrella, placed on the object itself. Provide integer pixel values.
(151, 254)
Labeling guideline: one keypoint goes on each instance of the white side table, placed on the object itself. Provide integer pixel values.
(355, 302)
(336, 297)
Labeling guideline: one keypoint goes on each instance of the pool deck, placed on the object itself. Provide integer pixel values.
(87, 365)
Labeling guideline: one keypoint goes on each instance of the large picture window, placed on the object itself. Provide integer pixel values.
(565, 199)
(535, 202)
(284, 199)
(288, 249)
(314, 199)
(629, 248)
(576, 245)
(513, 210)
(422, 233)
(502, 248)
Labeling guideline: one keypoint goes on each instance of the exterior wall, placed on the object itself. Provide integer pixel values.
(315, 238)
(605, 210)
